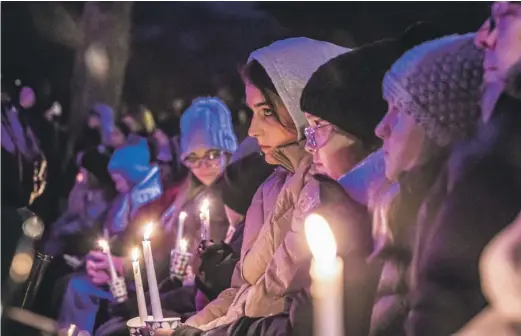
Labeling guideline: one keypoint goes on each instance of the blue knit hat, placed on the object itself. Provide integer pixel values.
(131, 161)
(207, 124)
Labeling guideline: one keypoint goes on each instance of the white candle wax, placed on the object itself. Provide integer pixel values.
(106, 249)
(140, 292)
(327, 292)
(151, 276)
(205, 220)
(327, 278)
(180, 228)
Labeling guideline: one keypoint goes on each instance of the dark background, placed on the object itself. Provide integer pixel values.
(185, 49)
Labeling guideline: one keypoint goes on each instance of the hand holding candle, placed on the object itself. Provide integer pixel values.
(151, 274)
(327, 278)
(141, 303)
(106, 249)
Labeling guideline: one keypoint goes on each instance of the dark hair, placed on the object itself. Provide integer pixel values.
(255, 74)
(123, 128)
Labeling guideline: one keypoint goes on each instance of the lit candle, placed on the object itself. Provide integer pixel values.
(151, 275)
(140, 292)
(180, 227)
(327, 278)
(183, 246)
(106, 249)
(205, 220)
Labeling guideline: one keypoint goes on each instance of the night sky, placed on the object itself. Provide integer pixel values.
(183, 49)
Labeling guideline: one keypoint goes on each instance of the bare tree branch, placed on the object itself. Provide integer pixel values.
(57, 24)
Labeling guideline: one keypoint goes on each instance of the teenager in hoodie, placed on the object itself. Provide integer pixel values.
(274, 249)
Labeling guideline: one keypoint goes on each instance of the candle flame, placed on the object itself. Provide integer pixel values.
(103, 244)
(182, 215)
(148, 230)
(135, 254)
(320, 239)
(183, 245)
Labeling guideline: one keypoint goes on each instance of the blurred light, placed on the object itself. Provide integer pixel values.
(79, 178)
(21, 266)
(97, 61)
(17, 82)
(33, 227)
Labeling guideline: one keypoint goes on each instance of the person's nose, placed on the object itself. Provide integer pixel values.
(255, 129)
(486, 37)
(383, 129)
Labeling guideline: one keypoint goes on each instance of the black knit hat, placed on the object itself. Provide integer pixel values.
(347, 90)
(240, 181)
(96, 163)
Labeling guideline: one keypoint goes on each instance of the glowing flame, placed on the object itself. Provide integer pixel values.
(182, 215)
(320, 239)
(148, 230)
(103, 244)
(183, 245)
(79, 178)
(135, 254)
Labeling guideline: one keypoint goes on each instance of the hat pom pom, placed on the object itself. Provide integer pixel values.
(418, 33)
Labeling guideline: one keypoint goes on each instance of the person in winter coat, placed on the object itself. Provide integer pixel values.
(274, 252)
(142, 199)
(207, 143)
(433, 100)
(88, 204)
(480, 192)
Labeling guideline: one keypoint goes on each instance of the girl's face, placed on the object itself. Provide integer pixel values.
(117, 138)
(122, 186)
(267, 125)
(334, 153)
(403, 140)
(206, 165)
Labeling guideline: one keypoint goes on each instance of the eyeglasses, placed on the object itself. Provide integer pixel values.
(211, 158)
(317, 137)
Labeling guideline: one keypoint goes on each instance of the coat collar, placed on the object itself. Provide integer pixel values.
(291, 156)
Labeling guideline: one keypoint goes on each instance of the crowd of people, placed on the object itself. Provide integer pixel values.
(408, 147)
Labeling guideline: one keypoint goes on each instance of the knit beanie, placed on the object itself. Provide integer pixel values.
(438, 83)
(347, 90)
(240, 181)
(131, 161)
(96, 163)
(207, 124)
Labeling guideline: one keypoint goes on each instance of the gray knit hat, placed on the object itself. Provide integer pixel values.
(439, 84)
(207, 124)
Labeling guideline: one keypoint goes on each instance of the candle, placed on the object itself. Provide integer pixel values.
(151, 275)
(106, 249)
(327, 278)
(180, 227)
(205, 220)
(140, 292)
(183, 246)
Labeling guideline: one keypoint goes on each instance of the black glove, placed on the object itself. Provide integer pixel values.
(216, 269)
(169, 285)
(126, 310)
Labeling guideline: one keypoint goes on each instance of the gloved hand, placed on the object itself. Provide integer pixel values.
(184, 330)
(168, 285)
